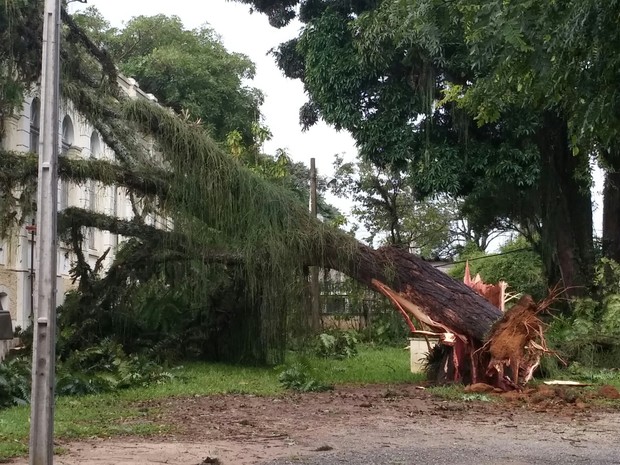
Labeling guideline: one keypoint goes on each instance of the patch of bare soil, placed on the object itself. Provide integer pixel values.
(244, 429)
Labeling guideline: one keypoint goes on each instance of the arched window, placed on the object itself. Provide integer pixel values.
(95, 145)
(67, 134)
(4, 301)
(67, 141)
(35, 124)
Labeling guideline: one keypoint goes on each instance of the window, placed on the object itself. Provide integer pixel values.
(92, 195)
(35, 125)
(335, 304)
(67, 141)
(91, 239)
(4, 301)
(95, 146)
(95, 153)
(67, 134)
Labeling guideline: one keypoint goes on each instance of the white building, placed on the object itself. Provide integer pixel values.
(78, 139)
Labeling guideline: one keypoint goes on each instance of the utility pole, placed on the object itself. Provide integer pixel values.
(44, 340)
(315, 292)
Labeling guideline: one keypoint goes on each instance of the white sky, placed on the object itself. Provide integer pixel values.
(251, 35)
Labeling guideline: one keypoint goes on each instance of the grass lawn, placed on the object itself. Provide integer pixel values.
(120, 413)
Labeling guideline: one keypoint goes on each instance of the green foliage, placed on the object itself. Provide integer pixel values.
(519, 266)
(105, 367)
(299, 377)
(187, 70)
(102, 367)
(589, 335)
(386, 328)
(465, 96)
(15, 379)
(389, 208)
(21, 52)
(337, 344)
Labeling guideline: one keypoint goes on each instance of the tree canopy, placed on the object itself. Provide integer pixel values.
(188, 70)
(502, 103)
(390, 210)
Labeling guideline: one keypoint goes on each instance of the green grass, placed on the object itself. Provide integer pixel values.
(371, 365)
(455, 392)
(448, 391)
(123, 412)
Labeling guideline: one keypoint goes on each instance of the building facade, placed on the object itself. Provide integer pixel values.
(78, 139)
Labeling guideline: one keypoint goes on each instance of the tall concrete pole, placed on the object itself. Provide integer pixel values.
(315, 292)
(43, 359)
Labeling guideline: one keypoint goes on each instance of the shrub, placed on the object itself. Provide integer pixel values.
(15, 380)
(590, 334)
(298, 377)
(337, 344)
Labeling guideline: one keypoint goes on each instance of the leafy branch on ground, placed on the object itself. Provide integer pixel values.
(299, 376)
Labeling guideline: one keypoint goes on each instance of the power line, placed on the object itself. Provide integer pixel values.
(483, 257)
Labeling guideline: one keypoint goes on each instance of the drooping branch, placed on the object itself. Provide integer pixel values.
(448, 301)
(77, 35)
(178, 246)
(22, 168)
(105, 114)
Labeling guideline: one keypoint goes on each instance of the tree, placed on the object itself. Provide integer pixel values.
(226, 217)
(515, 263)
(392, 212)
(187, 70)
(402, 76)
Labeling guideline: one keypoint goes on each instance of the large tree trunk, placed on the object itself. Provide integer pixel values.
(459, 316)
(567, 247)
(611, 216)
(440, 300)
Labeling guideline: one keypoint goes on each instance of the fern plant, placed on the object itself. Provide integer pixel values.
(15, 379)
(337, 344)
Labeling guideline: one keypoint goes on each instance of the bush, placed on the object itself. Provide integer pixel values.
(590, 334)
(106, 367)
(298, 377)
(15, 380)
(337, 344)
(101, 368)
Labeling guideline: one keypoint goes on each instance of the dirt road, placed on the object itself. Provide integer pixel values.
(367, 425)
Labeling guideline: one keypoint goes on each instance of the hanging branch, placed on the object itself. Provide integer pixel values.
(19, 169)
(180, 247)
(77, 35)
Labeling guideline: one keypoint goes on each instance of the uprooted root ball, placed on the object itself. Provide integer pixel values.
(517, 341)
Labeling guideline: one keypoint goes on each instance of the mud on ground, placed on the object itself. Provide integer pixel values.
(246, 429)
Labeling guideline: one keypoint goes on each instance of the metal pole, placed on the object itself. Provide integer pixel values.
(315, 291)
(43, 358)
(32, 229)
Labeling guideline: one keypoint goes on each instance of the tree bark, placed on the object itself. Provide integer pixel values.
(611, 216)
(566, 242)
(448, 304)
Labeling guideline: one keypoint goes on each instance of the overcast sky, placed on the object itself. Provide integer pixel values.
(251, 35)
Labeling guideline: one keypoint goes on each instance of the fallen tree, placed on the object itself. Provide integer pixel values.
(224, 213)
